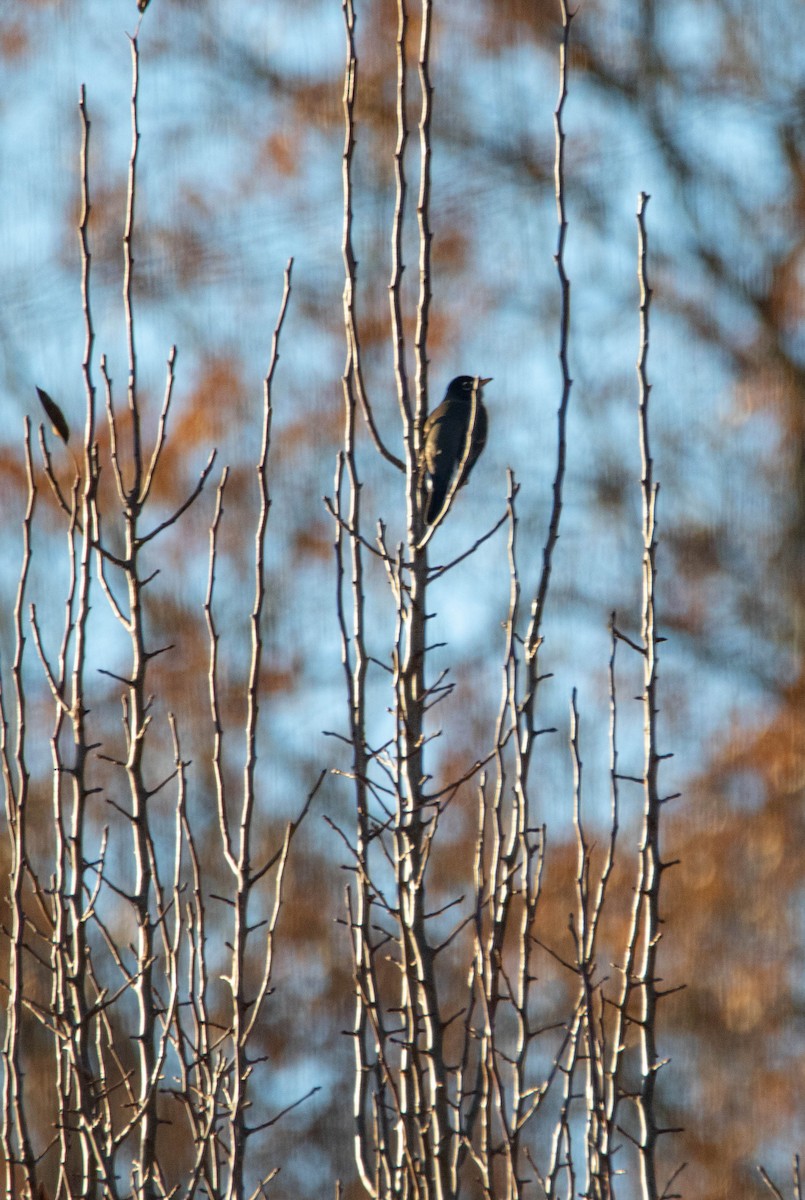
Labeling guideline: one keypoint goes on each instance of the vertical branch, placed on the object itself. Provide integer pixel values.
(373, 1080)
(80, 1091)
(353, 643)
(602, 1060)
(355, 664)
(526, 856)
(401, 190)
(86, 264)
(423, 220)
(244, 875)
(212, 676)
(425, 1087)
(80, 1016)
(353, 652)
(156, 957)
(561, 1160)
(600, 1116)
(128, 273)
(206, 1116)
(579, 931)
(524, 837)
(583, 929)
(136, 720)
(651, 864)
(639, 967)
(414, 1159)
(409, 680)
(517, 845)
(14, 1135)
(506, 896)
(71, 1001)
(350, 262)
(534, 635)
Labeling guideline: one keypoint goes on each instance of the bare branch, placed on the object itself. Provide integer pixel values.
(538, 607)
(183, 507)
(350, 263)
(159, 443)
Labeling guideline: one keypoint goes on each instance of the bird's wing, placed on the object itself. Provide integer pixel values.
(437, 438)
(479, 436)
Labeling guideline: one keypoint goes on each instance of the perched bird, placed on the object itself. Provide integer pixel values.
(453, 438)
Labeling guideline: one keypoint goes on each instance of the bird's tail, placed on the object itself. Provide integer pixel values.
(436, 500)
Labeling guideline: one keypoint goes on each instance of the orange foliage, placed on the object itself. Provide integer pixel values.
(313, 541)
(280, 153)
(14, 41)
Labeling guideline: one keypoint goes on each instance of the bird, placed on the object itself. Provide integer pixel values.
(450, 443)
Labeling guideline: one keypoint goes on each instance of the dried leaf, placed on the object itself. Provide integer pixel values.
(55, 416)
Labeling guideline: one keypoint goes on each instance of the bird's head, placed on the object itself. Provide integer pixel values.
(461, 387)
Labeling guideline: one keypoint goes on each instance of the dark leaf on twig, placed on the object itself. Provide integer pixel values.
(55, 416)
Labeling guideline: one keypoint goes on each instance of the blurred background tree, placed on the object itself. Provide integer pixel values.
(703, 106)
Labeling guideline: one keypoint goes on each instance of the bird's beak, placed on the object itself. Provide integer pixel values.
(482, 382)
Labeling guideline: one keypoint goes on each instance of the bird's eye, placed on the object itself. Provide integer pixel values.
(467, 385)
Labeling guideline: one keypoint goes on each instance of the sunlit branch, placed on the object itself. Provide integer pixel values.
(212, 676)
(159, 443)
(590, 1002)
(401, 190)
(425, 234)
(50, 474)
(538, 607)
(350, 599)
(245, 1007)
(350, 264)
(15, 1137)
(651, 864)
(128, 276)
